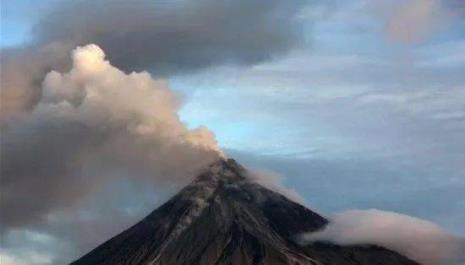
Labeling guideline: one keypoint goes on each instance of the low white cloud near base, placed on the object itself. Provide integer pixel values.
(415, 238)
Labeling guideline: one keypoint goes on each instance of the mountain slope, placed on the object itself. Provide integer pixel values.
(223, 218)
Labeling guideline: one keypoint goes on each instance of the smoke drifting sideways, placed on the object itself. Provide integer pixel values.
(418, 239)
(275, 182)
(91, 123)
(164, 37)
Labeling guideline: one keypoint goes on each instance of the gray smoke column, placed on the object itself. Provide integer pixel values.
(275, 182)
(163, 37)
(22, 71)
(91, 123)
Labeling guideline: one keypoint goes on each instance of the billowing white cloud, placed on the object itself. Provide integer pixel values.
(92, 123)
(415, 238)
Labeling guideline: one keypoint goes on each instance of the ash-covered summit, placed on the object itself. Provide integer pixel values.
(224, 218)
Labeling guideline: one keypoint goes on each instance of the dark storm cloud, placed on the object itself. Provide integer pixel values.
(165, 37)
(173, 36)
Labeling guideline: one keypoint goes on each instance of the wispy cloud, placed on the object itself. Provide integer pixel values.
(418, 239)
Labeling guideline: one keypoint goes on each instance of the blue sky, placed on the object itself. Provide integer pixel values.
(383, 120)
(356, 118)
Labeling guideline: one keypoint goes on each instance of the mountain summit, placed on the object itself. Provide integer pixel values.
(222, 217)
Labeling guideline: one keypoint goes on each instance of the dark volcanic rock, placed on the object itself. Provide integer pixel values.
(223, 218)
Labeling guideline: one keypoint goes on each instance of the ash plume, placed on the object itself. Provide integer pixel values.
(163, 37)
(91, 122)
(66, 123)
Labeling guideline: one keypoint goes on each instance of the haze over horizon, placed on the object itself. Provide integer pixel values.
(350, 104)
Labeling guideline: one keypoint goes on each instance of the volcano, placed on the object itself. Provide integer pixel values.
(223, 217)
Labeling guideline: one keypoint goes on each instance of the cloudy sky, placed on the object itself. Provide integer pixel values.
(357, 104)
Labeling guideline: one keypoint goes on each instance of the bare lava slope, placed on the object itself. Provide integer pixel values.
(224, 218)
